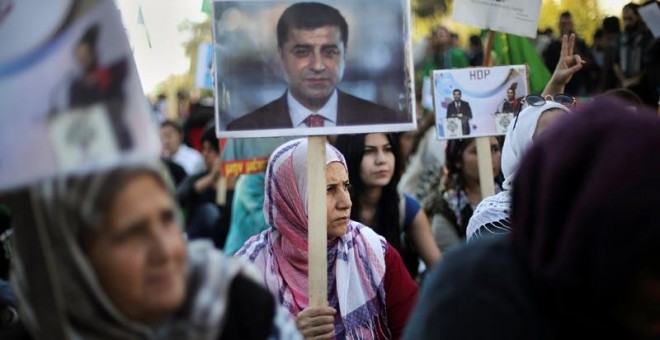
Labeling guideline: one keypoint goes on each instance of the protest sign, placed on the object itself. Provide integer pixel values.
(362, 84)
(518, 17)
(476, 102)
(73, 102)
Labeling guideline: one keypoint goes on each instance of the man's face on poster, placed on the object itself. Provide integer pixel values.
(457, 96)
(313, 61)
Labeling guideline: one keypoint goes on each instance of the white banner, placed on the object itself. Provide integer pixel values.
(520, 17)
(70, 97)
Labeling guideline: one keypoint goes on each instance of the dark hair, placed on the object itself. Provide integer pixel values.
(91, 36)
(626, 95)
(170, 123)
(611, 25)
(457, 90)
(599, 33)
(310, 15)
(633, 7)
(209, 136)
(453, 157)
(565, 14)
(475, 40)
(387, 212)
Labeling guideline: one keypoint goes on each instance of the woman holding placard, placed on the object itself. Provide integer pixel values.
(103, 256)
(370, 293)
(374, 166)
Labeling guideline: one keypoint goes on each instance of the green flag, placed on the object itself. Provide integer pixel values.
(206, 7)
(514, 50)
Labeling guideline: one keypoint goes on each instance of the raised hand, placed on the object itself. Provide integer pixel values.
(567, 66)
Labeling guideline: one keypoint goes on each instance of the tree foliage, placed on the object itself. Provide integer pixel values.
(587, 16)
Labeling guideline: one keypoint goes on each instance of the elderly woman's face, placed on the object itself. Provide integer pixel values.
(338, 199)
(138, 255)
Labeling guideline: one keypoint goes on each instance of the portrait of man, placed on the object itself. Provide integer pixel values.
(312, 43)
(460, 109)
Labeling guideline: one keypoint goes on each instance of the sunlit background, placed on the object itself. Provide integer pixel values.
(165, 37)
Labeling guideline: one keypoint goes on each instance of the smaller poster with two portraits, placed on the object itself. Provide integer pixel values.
(478, 102)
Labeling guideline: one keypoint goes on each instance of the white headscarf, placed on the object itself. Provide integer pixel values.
(519, 139)
(492, 214)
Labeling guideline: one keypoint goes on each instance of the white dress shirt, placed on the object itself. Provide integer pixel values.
(299, 113)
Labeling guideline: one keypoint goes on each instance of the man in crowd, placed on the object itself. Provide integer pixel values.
(578, 84)
(174, 149)
(638, 53)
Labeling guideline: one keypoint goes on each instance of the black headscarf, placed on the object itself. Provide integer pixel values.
(585, 213)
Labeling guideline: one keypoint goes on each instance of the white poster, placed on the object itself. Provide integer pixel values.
(70, 97)
(479, 101)
(520, 17)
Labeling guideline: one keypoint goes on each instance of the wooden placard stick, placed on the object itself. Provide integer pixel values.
(484, 156)
(317, 228)
(221, 191)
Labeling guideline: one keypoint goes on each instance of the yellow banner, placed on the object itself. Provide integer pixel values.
(244, 167)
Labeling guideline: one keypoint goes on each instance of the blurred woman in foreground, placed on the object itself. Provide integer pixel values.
(102, 256)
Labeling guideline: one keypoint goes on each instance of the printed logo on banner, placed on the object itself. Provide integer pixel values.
(502, 121)
(82, 135)
(453, 128)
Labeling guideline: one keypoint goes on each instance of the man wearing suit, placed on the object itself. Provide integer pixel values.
(460, 109)
(311, 40)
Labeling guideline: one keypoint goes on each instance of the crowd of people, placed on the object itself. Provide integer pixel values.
(623, 54)
(171, 248)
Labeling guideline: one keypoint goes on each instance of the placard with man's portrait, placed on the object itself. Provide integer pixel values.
(312, 68)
